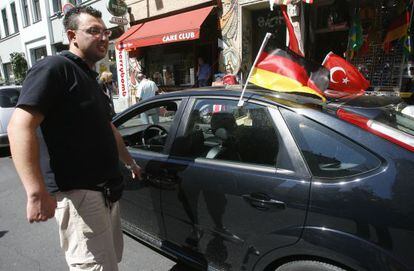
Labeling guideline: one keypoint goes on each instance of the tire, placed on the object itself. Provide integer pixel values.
(308, 266)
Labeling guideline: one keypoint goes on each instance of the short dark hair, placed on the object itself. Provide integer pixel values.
(71, 17)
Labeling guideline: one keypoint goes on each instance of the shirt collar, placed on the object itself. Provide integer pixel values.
(79, 61)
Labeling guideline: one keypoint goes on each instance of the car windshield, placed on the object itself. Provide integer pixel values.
(8, 97)
(400, 117)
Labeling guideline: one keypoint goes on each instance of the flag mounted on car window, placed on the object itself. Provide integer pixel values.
(283, 71)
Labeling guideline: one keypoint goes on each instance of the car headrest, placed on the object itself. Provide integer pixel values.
(223, 120)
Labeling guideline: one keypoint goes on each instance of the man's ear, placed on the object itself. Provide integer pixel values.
(71, 35)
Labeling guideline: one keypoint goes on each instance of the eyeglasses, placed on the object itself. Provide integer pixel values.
(94, 31)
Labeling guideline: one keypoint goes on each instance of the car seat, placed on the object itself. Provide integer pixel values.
(223, 126)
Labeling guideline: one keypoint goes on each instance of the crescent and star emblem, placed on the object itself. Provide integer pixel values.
(345, 80)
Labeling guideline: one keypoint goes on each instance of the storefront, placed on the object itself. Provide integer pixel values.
(333, 25)
(332, 21)
(166, 49)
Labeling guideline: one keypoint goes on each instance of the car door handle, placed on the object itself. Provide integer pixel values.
(263, 202)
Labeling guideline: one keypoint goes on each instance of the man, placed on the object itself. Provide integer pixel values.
(146, 87)
(203, 73)
(62, 96)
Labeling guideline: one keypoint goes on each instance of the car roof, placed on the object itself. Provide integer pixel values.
(288, 99)
(292, 100)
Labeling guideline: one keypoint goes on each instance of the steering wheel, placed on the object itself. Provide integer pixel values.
(162, 132)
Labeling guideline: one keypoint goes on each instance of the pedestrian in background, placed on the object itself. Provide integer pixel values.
(146, 87)
(203, 73)
(62, 96)
(108, 87)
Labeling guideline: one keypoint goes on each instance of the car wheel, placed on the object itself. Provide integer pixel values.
(308, 266)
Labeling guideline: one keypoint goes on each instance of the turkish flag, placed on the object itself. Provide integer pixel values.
(344, 76)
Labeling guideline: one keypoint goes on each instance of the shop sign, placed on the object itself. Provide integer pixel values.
(179, 37)
(118, 21)
(121, 66)
(117, 7)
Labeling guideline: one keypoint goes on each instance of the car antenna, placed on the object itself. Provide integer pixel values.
(265, 40)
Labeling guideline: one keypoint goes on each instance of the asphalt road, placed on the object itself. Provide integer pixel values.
(28, 247)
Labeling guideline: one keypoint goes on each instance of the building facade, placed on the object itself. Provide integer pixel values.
(34, 28)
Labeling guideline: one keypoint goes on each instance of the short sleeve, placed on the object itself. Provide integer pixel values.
(43, 85)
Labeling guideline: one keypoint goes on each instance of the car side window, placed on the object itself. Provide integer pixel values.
(218, 129)
(327, 153)
(148, 129)
(8, 97)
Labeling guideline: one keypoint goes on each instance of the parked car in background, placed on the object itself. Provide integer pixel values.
(283, 182)
(8, 100)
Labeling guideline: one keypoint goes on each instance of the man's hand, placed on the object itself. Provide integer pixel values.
(136, 171)
(40, 207)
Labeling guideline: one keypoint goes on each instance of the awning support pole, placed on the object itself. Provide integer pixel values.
(265, 40)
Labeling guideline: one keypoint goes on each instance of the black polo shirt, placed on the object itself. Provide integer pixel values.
(76, 128)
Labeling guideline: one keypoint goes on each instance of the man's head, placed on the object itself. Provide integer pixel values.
(140, 76)
(106, 77)
(87, 34)
(200, 60)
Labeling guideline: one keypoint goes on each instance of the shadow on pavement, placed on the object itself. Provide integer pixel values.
(2, 233)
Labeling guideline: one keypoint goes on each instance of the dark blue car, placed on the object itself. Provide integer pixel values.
(283, 182)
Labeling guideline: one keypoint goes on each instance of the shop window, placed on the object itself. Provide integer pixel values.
(330, 23)
(171, 65)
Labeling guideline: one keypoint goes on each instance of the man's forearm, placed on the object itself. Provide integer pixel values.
(122, 150)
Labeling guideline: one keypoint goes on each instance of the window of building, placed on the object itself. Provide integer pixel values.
(5, 22)
(26, 14)
(328, 154)
(76, 2)
(57, 6)
(14, 17)
(8, 73)
(39, 53)
(36, 11)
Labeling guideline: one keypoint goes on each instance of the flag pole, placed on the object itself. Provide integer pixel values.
(265, 40)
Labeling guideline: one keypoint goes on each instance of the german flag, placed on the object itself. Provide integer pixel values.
(285, 72)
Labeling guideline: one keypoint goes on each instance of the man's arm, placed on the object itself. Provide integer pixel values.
(24, 148)
(124, 155)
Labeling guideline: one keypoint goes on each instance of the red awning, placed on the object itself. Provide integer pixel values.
(180, 27)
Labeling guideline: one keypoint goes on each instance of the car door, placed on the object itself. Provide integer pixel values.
(147, 131)
(237, 185)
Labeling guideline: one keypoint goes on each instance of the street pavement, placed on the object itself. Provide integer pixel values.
(27, 247)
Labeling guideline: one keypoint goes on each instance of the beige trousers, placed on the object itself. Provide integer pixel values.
(90, 233)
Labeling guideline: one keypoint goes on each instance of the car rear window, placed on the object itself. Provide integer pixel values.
(8, 97)
(327, 153)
